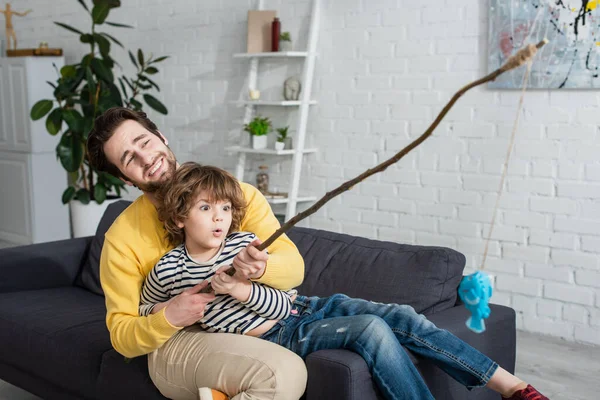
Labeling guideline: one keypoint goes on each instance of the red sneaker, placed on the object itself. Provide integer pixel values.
(529, 393)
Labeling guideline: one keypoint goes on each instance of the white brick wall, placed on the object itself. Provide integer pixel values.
(385, 68)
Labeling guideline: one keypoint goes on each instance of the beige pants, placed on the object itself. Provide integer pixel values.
(243, 367)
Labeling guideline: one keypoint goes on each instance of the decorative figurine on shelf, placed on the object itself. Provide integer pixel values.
(262, 180)
(254, 94)
(10, 31)
(475, 291)
(291, 88)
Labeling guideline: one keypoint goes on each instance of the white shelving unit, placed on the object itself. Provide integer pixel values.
(304, 104)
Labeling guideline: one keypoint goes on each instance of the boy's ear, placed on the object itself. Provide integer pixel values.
(180, 224)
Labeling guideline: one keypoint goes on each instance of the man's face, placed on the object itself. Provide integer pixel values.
(142, 157)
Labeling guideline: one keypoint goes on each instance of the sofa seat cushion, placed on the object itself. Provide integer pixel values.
(57, 334)
(425, 277)
(125, 380)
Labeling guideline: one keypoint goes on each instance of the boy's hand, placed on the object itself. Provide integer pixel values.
(235, 286)
(251, 263)
(187, 308)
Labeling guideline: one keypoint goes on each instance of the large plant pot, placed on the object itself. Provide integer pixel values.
(86, 217)
(259, 142)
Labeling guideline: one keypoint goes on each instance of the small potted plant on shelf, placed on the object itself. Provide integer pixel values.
(281, 138)
(258, 129)
(285, 42)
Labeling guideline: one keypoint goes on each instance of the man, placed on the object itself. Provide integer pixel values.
(183, 360)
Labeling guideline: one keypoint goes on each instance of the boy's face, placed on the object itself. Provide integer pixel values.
(207, 224)
(144, 158)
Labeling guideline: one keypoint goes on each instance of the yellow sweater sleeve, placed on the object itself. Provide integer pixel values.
(130, 334)
(285, 267)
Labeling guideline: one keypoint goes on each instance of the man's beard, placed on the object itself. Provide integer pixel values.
(152, 187)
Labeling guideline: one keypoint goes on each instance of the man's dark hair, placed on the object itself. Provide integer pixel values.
(104, 127)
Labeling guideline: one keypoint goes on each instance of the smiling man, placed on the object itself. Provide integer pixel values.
(182, 359)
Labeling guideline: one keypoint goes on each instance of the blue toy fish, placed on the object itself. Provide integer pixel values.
(475, 291)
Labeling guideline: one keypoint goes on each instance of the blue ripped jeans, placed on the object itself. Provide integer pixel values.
(377, 332)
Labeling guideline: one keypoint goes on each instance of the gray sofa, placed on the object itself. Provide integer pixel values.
(54, 342)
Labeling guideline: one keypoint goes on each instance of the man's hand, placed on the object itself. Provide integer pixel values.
(250, 263)
(235, 286)
(187, 308)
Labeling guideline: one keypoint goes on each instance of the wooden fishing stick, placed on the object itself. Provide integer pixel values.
(521, 57)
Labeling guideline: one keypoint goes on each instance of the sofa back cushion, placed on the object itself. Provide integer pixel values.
(425, 277)
(89, 275)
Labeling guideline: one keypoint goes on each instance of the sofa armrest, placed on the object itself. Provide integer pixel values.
(43, 265)
(499, 341)
(338, 374)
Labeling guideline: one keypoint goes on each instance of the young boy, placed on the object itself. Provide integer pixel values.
(202, 208)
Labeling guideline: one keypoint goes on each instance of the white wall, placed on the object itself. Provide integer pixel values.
(385, 69)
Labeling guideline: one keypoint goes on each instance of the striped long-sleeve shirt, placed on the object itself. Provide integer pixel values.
(176, 271)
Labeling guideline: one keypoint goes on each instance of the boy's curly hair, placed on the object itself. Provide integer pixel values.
(178, 196)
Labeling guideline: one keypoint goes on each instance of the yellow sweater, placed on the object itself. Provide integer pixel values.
(136, 241)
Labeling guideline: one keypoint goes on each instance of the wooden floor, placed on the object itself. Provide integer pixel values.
(559, 369)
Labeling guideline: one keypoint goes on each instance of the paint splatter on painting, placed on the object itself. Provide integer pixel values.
(570, 60)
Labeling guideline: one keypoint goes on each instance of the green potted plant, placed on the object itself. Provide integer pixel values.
(258, 129)
(285, 42)
(83, 91)
(282, 134)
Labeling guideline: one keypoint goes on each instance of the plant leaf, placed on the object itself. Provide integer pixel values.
(103, 44)
(155, 104)
(123, 87)
(150, 81)
(54, 121)
(102, 71)
(136, 104)
(84, 5)
(73, 119)
(159, 59)
(86, 38)
(69, 28)
(83, 195)
(112, 38)
(140, 56)
(68, 194)
(132, 57)
(151, 70)
(70, 152)
(99, 193)
(90, 80)
(40, 109)
(99, 13)
(68, 71)
(118, 25)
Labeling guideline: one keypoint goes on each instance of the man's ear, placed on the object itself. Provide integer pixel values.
(164, 139)
(129, 183)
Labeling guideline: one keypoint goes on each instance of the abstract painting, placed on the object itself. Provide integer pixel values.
(571, 60)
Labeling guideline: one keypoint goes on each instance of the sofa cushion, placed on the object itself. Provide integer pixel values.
(425, 277)
(56, 334)
(89, 275)
(125, 380)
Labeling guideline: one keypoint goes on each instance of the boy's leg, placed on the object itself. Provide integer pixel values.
(307, 331)
(243, 367)
(414, 331)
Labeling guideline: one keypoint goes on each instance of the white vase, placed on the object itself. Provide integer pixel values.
(279, 145)
(285, 45)
(86, 217)
(259, 142)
